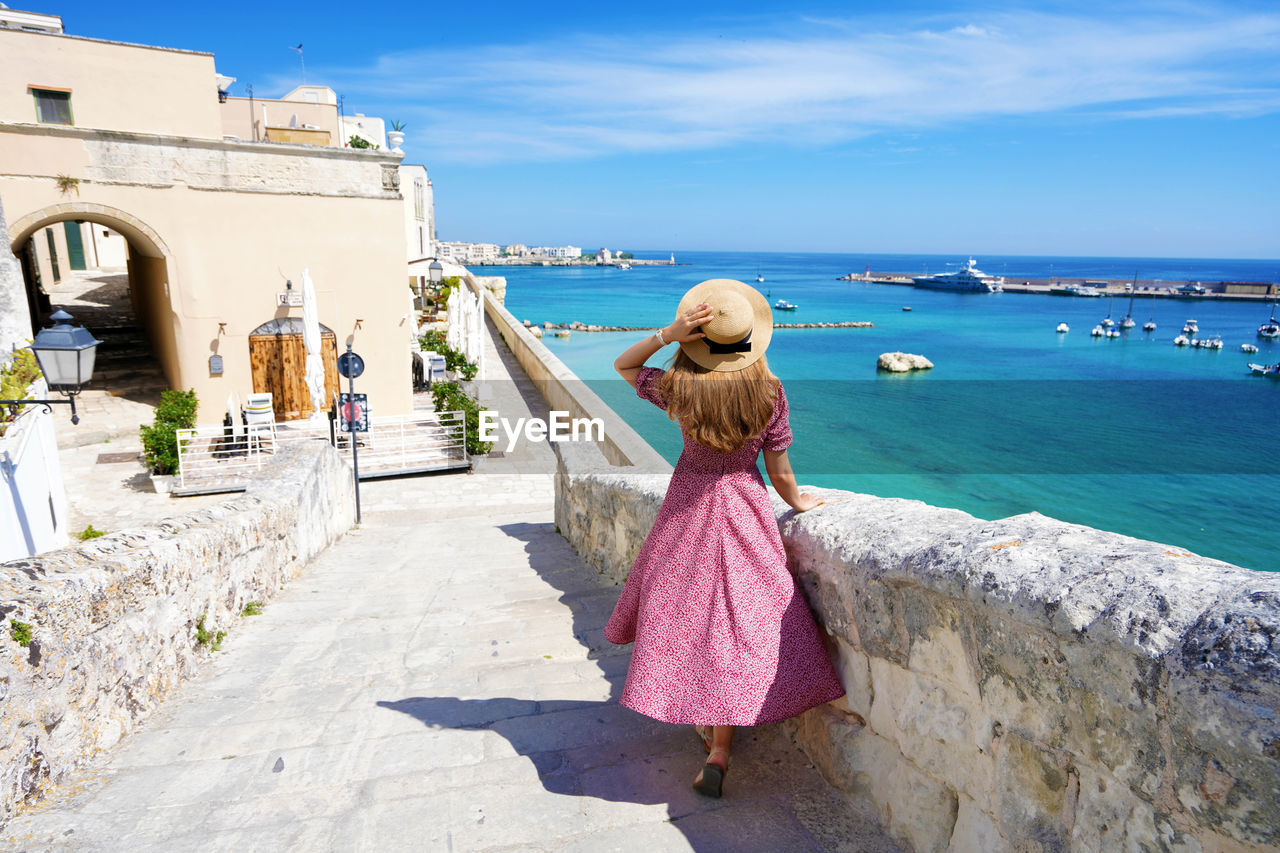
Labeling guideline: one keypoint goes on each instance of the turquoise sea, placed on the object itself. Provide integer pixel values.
(1133, 434)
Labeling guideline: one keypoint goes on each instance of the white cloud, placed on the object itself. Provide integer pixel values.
(816, 83)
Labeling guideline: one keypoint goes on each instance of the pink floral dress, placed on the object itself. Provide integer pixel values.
(722, 634)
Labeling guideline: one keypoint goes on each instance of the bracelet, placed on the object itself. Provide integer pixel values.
(658, 335)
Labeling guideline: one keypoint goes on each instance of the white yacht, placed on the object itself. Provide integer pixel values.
(1270, 329)
(970, 280)
(1190, 327)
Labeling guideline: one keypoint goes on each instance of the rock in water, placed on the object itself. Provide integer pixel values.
(902, 362)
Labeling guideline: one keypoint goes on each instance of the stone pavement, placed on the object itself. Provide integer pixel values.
(437, 680)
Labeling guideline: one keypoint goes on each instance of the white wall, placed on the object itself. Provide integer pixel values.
(33, 505)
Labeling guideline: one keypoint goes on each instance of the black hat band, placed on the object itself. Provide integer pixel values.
(743, 345)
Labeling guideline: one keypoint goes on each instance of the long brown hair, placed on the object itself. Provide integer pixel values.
(722, 410)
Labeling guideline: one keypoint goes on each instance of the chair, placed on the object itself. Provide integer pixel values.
(260, 419)
(436, 373)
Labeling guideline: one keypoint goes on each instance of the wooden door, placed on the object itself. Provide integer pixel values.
(279, 363)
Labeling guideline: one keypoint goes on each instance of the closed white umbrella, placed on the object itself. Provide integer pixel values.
(311, 340)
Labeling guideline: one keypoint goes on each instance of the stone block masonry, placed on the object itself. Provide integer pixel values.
(114, 621)
(1013, 685)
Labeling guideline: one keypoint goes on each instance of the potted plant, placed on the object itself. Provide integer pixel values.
(177, 410)
(395, 136)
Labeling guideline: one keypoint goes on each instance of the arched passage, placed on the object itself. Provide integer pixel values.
(129, 309)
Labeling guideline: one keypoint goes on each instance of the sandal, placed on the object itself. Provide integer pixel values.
(711, 778)
(704, 735)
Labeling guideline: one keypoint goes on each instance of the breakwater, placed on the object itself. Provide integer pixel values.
(1228, 290)
(591, 327)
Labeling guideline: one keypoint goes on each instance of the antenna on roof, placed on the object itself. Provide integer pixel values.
(303, 61)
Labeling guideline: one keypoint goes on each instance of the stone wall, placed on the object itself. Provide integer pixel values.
(1014, 685)
(113, 621)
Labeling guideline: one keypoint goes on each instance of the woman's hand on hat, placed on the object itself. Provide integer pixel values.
(685, 326)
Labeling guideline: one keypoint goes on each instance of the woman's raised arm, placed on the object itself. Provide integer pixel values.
(681, 329)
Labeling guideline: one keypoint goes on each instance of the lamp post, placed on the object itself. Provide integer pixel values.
(65, 354)
(435, 274)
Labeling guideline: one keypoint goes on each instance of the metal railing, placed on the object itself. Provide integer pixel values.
(216, 459)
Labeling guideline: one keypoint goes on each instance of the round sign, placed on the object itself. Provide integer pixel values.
(352, 412)
(350, 365)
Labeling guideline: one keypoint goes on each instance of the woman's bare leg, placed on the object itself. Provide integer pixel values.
(721, 739)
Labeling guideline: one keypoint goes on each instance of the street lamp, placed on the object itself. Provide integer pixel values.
(435, 274)
(65, 354)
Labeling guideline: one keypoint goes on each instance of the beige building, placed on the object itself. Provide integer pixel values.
(217, 204)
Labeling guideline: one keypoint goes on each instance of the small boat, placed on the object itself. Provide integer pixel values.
(1270, 329)
(1190, 327)
(1063, 328)
(1128, 322)
(1113, 333)
(1149, 326)
(1074, 290)
(1248, 348)
(1181, 341)
(1272, 370)
(906, 307)
(784, 305)
(1214, 342)
(1096, 332)
(624, 266)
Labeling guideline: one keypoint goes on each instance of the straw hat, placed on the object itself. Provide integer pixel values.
(739, 332)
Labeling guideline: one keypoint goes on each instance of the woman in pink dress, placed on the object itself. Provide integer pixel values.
(723, 636)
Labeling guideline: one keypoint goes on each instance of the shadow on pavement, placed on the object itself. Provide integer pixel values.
(599, 749)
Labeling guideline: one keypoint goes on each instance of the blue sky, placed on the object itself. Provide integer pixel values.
(1044, 128)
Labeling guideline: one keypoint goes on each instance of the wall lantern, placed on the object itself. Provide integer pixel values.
(65, 354)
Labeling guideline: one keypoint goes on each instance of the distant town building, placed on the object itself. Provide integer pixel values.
(516, 250)
(469, 253)
(604, 256)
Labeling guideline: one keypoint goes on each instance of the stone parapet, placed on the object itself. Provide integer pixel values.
(1019, 684)
(563, 391)
(156, 161)
(113, 622)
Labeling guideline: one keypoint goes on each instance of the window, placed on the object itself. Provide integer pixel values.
(53, 255)
(419, 202)
(53, 106)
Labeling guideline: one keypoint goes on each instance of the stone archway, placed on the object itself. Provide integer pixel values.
(139, 233)
(139, 327)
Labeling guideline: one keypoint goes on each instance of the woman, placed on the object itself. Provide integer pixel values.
(722, 635)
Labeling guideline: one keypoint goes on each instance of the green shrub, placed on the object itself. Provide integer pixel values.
(453, 360)
(177, 410)
(450, 398)
(253, 608)
(19, 373)
(21, 632)
(207, 638)
(90, 532)
(359, 142)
